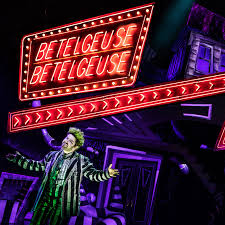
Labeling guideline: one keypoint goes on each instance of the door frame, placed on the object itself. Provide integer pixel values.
(113, 153)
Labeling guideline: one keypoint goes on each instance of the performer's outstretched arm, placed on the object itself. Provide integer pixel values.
(29, 164)
(50, 140)
(97, 175)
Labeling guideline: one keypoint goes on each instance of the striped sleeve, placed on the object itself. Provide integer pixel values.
(93, 174)
(31, 164)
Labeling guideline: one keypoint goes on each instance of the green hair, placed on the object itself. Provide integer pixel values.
(78, 134)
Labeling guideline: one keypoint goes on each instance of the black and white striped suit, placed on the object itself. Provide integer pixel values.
(79, 166)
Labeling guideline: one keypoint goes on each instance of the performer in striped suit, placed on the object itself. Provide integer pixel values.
(58, 197)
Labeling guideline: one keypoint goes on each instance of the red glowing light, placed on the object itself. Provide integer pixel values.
(155, 95)
(71, 111)
(17, 122)
(105, 105)
(75, 56)
(38, 118)
(130, 99)
(118, 102)
(183, 90)
(142, 97)
(220, 143)
(28, 120)
(82, 109)
(93, 107)
(60, 113)
(49, 115)
(211, 85)
(169, 92)
(198, 86)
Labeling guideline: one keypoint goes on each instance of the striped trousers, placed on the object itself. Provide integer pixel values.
(48, 211)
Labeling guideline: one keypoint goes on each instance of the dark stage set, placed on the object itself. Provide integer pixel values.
(171, 155)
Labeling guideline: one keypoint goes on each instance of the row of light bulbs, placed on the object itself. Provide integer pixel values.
(68, 90)
(84, 25)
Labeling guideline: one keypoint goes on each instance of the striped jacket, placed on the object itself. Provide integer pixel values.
(79, 166)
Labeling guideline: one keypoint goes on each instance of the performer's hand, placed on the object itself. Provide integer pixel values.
(113, 172)
(11, 157)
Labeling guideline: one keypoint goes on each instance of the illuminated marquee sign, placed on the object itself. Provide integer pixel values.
(116, 102)
(94, 54)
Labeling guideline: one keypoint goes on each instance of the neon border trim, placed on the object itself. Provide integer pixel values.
(220, 143)
(209, 115)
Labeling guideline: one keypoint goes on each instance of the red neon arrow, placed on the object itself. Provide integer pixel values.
(28, 119)
(117, 102)
(155, 95)
(142, 97)
(49, 115)
(211, 85)
(82, 109)
(169, 92)
(130, 99)
(60, 114)
(198, 86)
(71, 111)
(93, 107)
(106, 104)
(17, 121)
(39, 117)
(184, 89)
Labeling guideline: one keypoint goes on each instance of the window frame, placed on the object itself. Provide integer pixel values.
(210, 60)
(222, 53)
